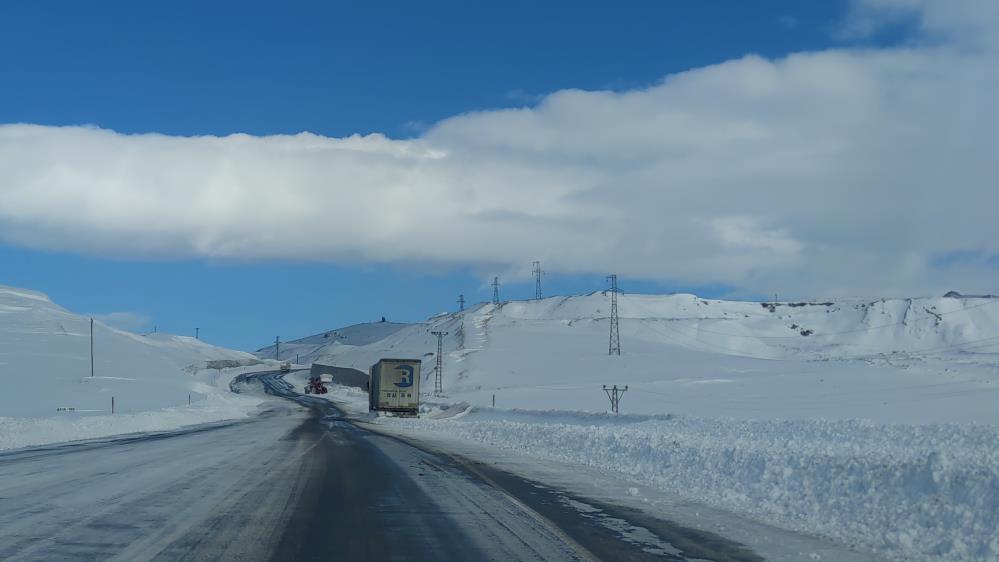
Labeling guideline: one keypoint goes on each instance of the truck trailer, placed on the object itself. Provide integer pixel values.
(394, 386)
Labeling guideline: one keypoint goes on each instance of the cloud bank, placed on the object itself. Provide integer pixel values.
(845, 171)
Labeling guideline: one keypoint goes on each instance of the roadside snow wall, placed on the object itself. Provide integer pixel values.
(926, 492)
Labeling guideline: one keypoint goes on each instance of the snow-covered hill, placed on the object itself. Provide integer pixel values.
(45, 363)
(307, 348)
(876, 359)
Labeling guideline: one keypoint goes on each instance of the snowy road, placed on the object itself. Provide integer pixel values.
(298, 482)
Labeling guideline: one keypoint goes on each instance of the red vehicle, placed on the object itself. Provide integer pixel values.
(316, 386)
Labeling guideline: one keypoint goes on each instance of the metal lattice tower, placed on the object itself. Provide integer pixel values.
(537, 280)
(496, 290)
(461, 303)
(277, 347)
(614, 347)
(438, 375)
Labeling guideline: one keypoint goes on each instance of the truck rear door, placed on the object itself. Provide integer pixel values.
(398, 385)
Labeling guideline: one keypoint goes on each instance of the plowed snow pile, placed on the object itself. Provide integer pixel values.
(873, 422)
(48, 393)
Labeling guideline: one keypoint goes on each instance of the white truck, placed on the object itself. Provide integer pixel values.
(286, 367)
(394, 386)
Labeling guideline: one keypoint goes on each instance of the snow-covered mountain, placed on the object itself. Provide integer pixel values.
(681, 352)
(45, 362)
(310, 347)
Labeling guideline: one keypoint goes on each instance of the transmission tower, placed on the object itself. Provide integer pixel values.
(537, 280)
(277, 347)
(496, 290)
(438, 382)
(614, 347)
(461, 303)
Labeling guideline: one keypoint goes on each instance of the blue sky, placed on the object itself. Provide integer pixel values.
(338, 68)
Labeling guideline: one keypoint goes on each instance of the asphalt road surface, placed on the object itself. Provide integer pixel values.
(300, 482)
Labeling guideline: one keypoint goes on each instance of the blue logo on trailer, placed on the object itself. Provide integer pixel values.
(407, 376)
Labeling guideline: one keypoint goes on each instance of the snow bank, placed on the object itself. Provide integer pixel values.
(24, 432)
(926, 492)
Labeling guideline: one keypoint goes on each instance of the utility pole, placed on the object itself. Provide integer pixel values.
(614, 394)
(91, 347)
(496, 285)
(197, 333)
(277, 347)
(461, 303)
(537, 280)
(614, 346)
(438, 382)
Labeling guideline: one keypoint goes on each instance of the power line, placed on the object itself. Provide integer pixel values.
(814, 335)
(973, 344)
(537, 280)
(697, 341)
(704, 344)
(496, 285)
(614, 345)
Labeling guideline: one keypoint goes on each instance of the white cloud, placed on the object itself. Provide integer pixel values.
(964, 22)
(843, 171)
(747, 232)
